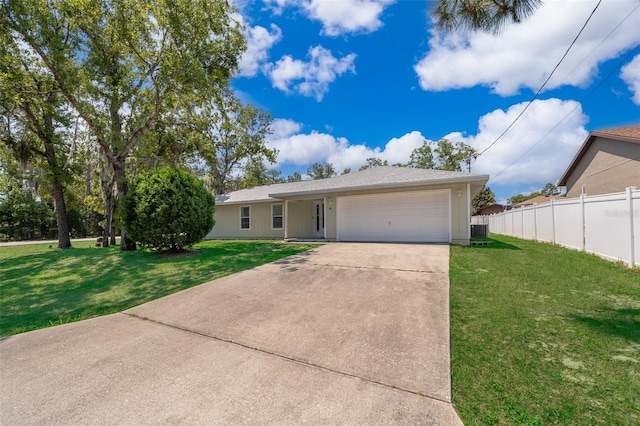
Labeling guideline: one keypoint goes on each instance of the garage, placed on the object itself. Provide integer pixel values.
(409, 216)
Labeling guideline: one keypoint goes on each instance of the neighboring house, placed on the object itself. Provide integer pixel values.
(378, 204)
(536, 200)
(608, 161)
(487, 210)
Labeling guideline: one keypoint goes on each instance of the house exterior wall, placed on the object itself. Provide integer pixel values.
(608, 166)
(227, 224)
(301, 214)
(300, 219)
(460, 211)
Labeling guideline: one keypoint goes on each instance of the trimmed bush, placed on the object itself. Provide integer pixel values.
(168, 209)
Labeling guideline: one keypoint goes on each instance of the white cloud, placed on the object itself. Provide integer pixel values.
(546, 156)
(630, 74)
(539, 152)
(398, 150)
(283, 128)
(341, 16)
(524, 55)
(304, 149)
(347, 16)
(259, 41)
(277, 6)
(310, 78)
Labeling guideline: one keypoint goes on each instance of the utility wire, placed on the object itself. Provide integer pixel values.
(614, 166)
(543, 84)
(601, 41)
(616, 68)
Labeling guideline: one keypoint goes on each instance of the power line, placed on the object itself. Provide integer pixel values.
(616, 68)
(614, 166)
(543, 84)
(601, 41)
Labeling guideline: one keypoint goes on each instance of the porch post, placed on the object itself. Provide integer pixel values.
(324, 218)
(286, 219)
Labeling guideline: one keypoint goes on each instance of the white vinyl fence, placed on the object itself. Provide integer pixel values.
(607, 225)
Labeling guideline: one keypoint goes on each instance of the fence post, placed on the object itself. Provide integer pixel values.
(584, 224)
(632, 254)
(535, 222)
(553, 223)
(513, 224)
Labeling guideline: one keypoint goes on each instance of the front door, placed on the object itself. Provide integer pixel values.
(318, 219)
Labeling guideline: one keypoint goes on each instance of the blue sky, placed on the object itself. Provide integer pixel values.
(351, 79)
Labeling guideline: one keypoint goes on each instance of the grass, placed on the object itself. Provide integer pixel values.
(543, 335)
(40, 286)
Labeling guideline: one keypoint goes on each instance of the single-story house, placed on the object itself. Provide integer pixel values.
(536, 200)
(491, 209)
(391, 204)
(608, 161)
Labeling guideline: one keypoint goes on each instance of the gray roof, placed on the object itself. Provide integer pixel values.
(373, 178)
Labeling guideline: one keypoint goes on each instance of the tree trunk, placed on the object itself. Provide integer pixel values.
(48, 139)
(87, 175)
(107, 193)
(126, 244)
(64, 240)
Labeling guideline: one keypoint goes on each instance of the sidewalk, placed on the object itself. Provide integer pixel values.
(22, 243)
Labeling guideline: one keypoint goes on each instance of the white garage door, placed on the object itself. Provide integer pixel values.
(413, 216)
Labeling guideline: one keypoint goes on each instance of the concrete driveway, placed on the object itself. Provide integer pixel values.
(343, 334)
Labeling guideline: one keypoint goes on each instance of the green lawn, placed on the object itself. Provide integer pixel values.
(543, 335)
(40, 286)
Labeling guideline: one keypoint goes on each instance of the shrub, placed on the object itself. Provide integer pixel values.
(23, 217)
(168, 209)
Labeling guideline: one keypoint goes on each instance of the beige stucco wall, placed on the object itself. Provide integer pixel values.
(301, 215)
(227, 224)
(607, 166)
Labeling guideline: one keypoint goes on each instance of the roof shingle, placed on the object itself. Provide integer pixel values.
(631, 133)
(373, 178)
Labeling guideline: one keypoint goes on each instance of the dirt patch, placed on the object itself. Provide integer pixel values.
(572, 363)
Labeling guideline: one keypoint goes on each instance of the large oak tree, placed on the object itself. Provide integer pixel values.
(122, 64)
(231, 135)
(34, 120)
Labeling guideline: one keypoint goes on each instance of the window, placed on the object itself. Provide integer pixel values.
(276, 216)
(245, 217)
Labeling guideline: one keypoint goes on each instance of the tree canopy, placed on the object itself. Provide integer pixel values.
(443, 155)
(374, 162)
(548, 190)
(121, 65)
(321, 171)
(484, 198)
(483, 15)
(230, 135)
